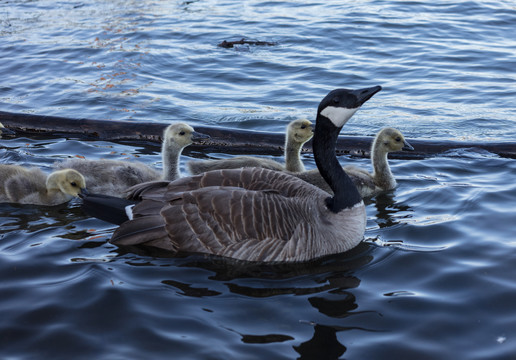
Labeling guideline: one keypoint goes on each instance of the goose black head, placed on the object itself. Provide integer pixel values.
(340, 104)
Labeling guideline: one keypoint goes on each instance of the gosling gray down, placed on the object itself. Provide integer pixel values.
(114, 177)
(252, 213)
(5, 131)
(386, 140)
(297, 134)
(32, 186)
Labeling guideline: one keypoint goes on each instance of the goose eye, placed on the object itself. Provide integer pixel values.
(335, 100)
(73, 183)
(182, 133)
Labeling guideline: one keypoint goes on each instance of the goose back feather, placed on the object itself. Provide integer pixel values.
(272, 212)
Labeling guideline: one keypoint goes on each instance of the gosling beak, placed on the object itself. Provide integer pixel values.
(198, 137)
(84, 192)
(407, 146)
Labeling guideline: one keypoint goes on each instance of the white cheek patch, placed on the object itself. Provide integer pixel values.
(338, 115)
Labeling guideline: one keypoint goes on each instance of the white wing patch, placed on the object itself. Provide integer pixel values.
(338, 115)
(129, 211)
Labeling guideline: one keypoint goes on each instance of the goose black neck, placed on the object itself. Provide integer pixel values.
(345, 193)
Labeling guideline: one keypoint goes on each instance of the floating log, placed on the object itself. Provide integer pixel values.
(223, 140)
(230, 44)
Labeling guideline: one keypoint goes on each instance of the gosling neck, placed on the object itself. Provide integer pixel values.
(292, 156)
(170, 153)
(345, 193)
(382, 174)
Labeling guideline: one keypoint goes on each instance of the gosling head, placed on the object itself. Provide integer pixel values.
(392, 140)
(182, 135)
(300, 131)
(68, 181)
(5, 131)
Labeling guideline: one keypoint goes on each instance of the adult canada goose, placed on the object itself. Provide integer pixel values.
(251, 214)
(298, 132)
(387, 140)
(32, 186)
(5, 131)
(114, 177)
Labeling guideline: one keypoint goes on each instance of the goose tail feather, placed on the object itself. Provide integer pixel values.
(148, 230)
(107, 208)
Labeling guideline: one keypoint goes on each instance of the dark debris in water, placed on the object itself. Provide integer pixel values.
(265, 339)
(230, 44)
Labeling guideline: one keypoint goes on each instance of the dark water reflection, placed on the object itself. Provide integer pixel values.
(388, 210)
(433, 277)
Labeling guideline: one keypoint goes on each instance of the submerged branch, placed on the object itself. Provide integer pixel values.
(223, 140)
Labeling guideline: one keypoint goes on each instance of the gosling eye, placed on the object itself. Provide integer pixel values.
(182, 133)
(398, 139)
(73, 183)
(303, 126)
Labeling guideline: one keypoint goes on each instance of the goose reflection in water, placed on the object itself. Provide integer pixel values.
(389, 211)
(323, 345)
(325, 284)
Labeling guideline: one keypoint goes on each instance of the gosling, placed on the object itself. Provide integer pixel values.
(369, 184)
(298, 133)
(113, 177)
(32, 186)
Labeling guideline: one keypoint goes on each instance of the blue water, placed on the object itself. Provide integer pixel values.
(434, 278)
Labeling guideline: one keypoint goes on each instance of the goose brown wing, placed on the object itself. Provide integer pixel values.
(153, 189)
(227, 221)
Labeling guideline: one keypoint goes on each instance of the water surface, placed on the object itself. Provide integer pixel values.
(433, 278)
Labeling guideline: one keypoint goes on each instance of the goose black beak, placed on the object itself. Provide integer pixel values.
(84, 193)
(198, 137)
(407, 146)
(365, 94)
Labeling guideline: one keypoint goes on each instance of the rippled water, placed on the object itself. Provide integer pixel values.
(434, 278)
